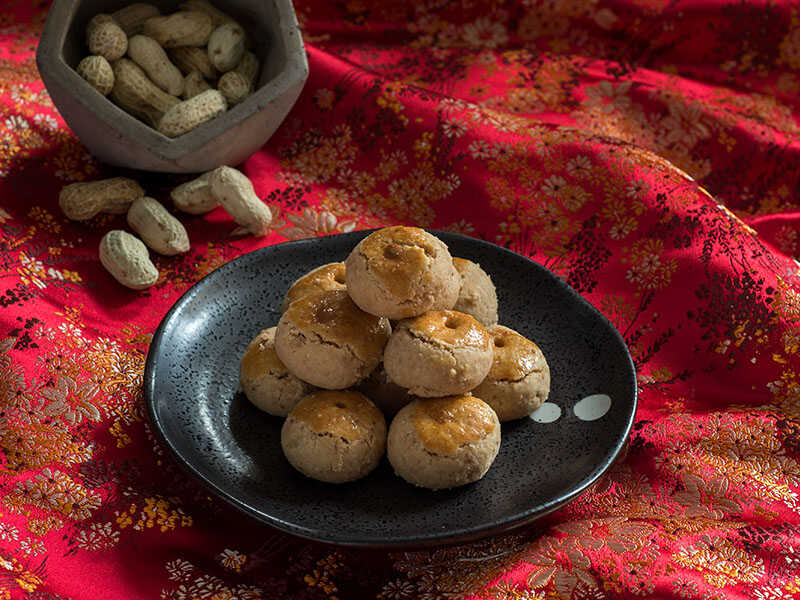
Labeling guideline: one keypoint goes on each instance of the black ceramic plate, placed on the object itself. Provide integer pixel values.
(191, 381)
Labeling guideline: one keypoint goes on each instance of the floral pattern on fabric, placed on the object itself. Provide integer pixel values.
(646, 151)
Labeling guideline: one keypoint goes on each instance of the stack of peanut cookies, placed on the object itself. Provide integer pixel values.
(400, 331)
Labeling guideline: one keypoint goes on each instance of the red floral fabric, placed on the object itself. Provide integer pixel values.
(647, 151)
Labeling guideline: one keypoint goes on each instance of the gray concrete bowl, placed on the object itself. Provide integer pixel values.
(119, 139)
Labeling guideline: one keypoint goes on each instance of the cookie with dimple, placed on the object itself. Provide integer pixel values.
(322, 279)
(327, 341)
(519, 380)
(387, 395)
(440, 443)
(440, 353)
(334, 436)
(477, 296)
(401, 272)
(266, 381)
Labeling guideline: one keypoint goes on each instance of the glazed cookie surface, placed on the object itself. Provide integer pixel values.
(401, 272)
(327, 341)
(477, 296)
(440, 353)
(266, 381)
(334, 436)
(519, 380)
(322, 279)
(440, 443)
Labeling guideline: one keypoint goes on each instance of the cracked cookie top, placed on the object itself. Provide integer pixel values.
(398, 256)
(449, 327)
(322, 279)
(515, 356)
(261, 357)
(444, 425)
(346, 414)
(335, 318)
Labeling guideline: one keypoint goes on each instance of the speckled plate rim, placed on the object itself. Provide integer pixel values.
(453, 536)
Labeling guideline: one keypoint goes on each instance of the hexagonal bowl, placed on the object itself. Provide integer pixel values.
(120, 139)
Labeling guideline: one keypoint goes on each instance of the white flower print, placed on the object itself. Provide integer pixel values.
(579, 165)
(32, 547)
(8, 532)
(454, 129)
(17, 122)
(179, 569)
(606, 97)
(685, 124)
(482, 32)
(231, 559)
(312, 223)
(480, 149)
(553, 185)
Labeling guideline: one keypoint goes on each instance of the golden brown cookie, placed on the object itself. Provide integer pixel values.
(401, 272)
(334, 436)
(440, 443)
(266, 381)
(322, 279)
(519, 380)
(477, 296)
(441, 353)
(326, 340)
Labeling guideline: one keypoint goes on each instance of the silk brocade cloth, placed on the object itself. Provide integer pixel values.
(646, 151)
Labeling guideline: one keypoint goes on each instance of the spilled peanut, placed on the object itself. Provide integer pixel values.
(162, 232)
(82, 201)
(195, 197)
(126, 258)
(235, 193)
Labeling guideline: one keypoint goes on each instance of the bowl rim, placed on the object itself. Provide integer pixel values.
(433, 538)
(51, 45)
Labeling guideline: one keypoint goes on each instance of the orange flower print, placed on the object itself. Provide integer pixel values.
(324, 98)
(232, 559)
(649, 269)
(561, 563)
(790, 48)
(720, 562)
